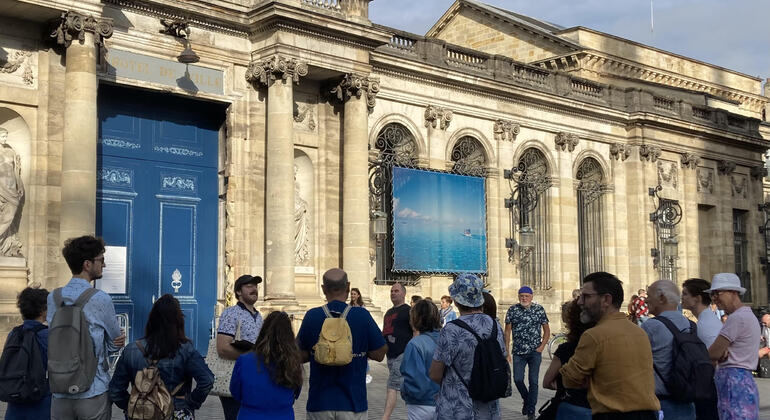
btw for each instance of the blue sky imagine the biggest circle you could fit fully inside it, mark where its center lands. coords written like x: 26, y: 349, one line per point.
x: 437, y: 197
x: 730, y: 33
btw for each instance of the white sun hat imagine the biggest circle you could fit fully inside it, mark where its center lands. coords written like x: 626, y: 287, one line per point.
x: 726, y: 281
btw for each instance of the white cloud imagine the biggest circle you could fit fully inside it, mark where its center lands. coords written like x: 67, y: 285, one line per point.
x: 395, y: 203
x: 409, y: 214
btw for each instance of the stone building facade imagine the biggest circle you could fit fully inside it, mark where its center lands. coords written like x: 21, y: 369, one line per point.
x: 210, y: 139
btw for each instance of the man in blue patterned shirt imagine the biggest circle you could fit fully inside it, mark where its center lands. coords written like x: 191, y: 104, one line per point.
x: 525, y: 319
x: 85, y: 258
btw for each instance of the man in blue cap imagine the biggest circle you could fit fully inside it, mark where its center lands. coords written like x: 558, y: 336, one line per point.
x: 525, y: 319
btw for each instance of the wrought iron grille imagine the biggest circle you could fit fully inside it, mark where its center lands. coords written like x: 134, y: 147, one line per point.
x: 530, y: 193
x: 396, y: 146
x: 665, y: 218
x: 590, y: 191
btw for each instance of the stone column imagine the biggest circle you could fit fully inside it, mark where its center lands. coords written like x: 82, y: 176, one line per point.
x: 80, y: 35
x: 690, y: 233
x: 358, y: 93
x: 278, y: 73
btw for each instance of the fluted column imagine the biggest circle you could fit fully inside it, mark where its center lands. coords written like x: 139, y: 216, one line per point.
x: 278, y: 73
x: 358, y: 94
x: 79, y: 35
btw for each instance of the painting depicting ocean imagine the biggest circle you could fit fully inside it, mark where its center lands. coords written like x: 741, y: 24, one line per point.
x: 439, y: 222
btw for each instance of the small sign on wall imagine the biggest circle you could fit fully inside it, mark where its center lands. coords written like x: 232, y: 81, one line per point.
x: 114, y: 274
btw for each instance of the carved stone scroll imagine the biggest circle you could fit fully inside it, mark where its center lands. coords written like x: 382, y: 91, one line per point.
x: 436, y: 116
x: 758, y: 172
x: 506, y: 130
x: 619, y: 151
x: 73, y: 25
x: 566, y: 141
x: 690, y: 160
x: 725, y: 167
x: 649, y: 153
x: 357, y: 85
x: 264, y: 72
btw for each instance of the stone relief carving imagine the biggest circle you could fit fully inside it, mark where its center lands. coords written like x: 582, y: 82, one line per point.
x: 301, y: 225
x: 619, y: 151
x: 739, y: 185
x: 649, y: 153
x: 436, y: 116
x: 667, y: 174
x: 506, y: 130
x: 18, y: 62
x: 690, y: 160
x: 358, y: 85
x: 11, y: 198
x: 566, y: 141
x: 266, y: 71
x: 705, y: 180
x: 725, y: 167
x: 758, y: 172
x: 305, y: 114
x: 73, y: 25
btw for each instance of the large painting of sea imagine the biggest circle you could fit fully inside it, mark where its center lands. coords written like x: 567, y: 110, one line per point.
x: 439, y: 222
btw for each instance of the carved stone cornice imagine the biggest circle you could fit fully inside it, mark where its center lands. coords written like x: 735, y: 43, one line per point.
x: 690, y: 160
x: 725, y: 167
x: 620, y: 151
x: 506, y: 130
x: 436, y: 116
x: 73, y: 25
x: 758, y: 172
x: 266, y: 71
x: 357, y: 85
x: 649, y: 153
x: 566, y: 141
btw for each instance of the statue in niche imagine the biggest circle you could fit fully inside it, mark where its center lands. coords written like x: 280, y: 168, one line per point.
x: 11, y: 198
x: 301, y: 225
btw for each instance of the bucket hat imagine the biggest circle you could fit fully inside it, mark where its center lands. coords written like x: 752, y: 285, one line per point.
x: 467, y: 290
x: 726, y: 281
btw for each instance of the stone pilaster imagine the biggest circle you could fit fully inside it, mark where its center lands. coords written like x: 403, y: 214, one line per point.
x: 278, y: 73
x: 357, y: 92
x: 690, y: 234
x: 79, y: 34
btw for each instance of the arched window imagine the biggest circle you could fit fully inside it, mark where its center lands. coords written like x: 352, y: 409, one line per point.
x: 590, y: 190
x: 533, y: 185
x: 397, y: 147
x: 469, y: 157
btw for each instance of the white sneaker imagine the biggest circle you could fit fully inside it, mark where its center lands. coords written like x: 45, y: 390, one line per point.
x: 368, y: 379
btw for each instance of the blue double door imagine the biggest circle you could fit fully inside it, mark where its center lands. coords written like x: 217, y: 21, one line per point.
x: 157, y: 202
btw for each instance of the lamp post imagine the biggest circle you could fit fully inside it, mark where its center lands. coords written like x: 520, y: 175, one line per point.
x: 380, y: 231
x: 665, y: 218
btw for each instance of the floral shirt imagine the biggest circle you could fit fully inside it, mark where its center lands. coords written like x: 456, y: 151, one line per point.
x: 455, y: 348
x: 526, y: 325
x: 251, y: 323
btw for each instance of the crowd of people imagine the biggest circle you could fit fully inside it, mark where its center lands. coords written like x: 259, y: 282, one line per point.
x: 613, y: 365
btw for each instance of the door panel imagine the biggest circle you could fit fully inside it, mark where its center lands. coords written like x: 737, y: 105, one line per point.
x: 157, y: 196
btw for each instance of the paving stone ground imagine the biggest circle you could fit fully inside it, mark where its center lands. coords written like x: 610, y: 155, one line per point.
x: 511, y: 407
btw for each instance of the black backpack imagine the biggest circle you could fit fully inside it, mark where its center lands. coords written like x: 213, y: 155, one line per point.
x: 23, y: 376
x: 490, y: 373
x: 692, y: 374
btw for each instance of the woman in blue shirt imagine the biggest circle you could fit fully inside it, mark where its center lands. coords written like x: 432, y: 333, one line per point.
x: 419, y: 392
x: 32, y: 303
x: 178, y: 361
x: 266, y: 381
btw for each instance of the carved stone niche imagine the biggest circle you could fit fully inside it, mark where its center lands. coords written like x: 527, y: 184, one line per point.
x: 705, y: 177
x: 649, y: 153
x: 667, y: 174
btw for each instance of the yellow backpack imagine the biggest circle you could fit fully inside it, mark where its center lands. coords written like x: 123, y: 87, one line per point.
x: 335, y: 342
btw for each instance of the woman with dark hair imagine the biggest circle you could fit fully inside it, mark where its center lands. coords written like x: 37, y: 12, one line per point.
x: 355, y: 297
x: 490, y: 306
x: 177, y: 359
x: 419, y: 392
x: 574, y: 403
x: 267, y: 380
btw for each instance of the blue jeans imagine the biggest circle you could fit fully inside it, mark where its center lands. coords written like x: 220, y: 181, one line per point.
x: 520, y: 361
x: 569, y: 411
x: 673, y: 410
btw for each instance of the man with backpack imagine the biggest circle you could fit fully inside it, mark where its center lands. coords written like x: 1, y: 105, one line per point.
x: 23, y: 379
x: 669, y: 354
x: 397, y: 333
x: 336, y: 339
x: 469, y: 361
x: 83, y: 331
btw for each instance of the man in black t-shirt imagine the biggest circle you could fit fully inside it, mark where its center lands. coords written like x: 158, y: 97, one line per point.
x: 397, y: 333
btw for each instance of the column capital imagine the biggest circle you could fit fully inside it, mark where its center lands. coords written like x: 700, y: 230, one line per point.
x: 268, y: 70
x: 73, y: 25
x: 690, y: 160
x: 357, y: 85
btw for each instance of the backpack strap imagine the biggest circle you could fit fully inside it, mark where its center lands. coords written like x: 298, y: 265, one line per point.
x: 85, y: 297
x: 326, y: 311
x: 57, y: 299
x: 345, y: 312
x: 460, y: 323
x: 674, y: 332
x: 329, y: 314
